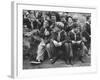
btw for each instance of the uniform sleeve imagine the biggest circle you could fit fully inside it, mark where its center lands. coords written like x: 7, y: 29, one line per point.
x: 42, y: 32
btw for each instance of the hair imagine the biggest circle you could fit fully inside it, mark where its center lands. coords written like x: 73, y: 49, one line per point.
x: 68, y: 18
x: 87, y: 18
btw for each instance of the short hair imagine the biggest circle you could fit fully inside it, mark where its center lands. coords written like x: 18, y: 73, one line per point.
x: 87, y: 18
x: 69, y: 17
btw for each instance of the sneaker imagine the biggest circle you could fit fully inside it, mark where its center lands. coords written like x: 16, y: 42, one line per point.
x: 35, y: 62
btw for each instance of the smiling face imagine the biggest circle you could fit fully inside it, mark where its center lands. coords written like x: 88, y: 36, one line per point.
x: 46, y: 24
x: 70, y: 20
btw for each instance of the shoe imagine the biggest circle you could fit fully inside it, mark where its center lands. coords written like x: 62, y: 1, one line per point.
x: 71, y: 62
x: 35, y: 62
x: 67, y: 62
x: 81, y: 59
x: 52, y: 61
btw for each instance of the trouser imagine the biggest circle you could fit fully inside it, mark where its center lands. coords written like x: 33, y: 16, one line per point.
x: 78, y: 50
x: 68, y: 52
x: 53, y: 52
x: 88, y: 46
x: 50, y: 49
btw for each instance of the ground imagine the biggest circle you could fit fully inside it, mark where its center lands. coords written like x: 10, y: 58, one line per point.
x: 58, y: 63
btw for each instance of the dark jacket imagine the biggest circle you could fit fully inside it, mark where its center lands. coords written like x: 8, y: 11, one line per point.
x: 88, y: 28
x: 75, y: 36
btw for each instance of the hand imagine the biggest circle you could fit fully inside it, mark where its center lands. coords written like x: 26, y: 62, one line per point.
x: 73, y: 42
x: 84, y: 39
x: 60, y: 43
x: 78, y: 42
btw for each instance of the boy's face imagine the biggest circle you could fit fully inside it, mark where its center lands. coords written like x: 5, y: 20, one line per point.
x: 32, y: 17
x: 46, y: 23
x: 25, y: 12
x: 63, y: 19
x: 76, y: 30
x: 53, y: 18
x: 70, y: 20
x: 32, y: 12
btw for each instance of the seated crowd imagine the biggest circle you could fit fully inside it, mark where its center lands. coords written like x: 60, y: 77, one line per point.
x: 60, y: 35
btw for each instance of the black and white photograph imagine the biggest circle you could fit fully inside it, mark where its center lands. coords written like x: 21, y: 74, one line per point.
x: 50, y: 40
x: 56, y: 39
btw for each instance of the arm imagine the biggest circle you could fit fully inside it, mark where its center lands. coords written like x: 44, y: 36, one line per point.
x: 56, y: 43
